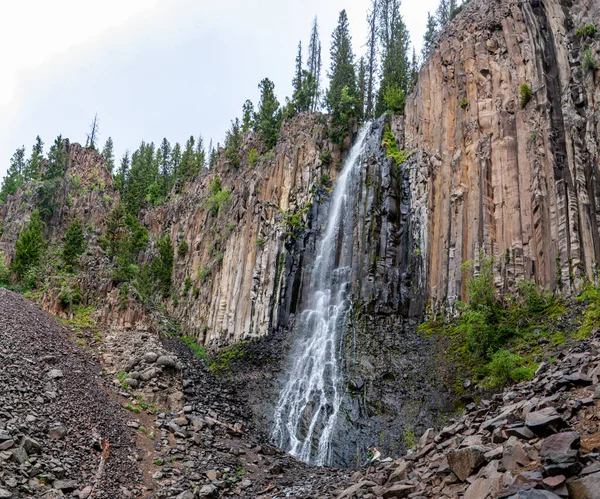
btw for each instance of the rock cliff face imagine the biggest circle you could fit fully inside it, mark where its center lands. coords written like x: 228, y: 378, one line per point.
x: 490, y: 175
x: 518, y: 182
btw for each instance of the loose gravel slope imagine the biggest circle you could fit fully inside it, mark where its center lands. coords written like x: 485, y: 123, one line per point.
x: 56, y: 414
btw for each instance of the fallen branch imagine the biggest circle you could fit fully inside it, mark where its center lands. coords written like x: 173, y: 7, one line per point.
x: 103, y: 458
x: 228, y: 427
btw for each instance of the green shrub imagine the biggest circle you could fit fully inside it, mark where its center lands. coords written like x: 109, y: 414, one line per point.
x: 464, y: 103
x: 187, y: 286
x: 260, y: 242
x: 203, y: 273
x: 325, y: 180
x: 389, y: 144
x: 409, y: 438
x: 162, y: 267
x: 5, y: 275
x: 223, y: 360
x: 29, y: 246
x: 506, y: 368
x: 196, y: 292
x: 526, y: 94
x: 198, y: 350
x: 253, y: 156
x: 395, y: 100
x: 74, y: 244
x: 218, y: 198
x: 587, y: 30
x: 183, y: 249
x: 326, y: 157
x: 589, y: 63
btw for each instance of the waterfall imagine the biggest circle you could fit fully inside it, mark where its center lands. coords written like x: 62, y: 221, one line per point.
x: 309, y: 402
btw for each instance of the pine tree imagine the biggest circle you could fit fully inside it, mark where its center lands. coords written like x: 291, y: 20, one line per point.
x: 162, y: 267
x: 108, y: 155
x: 199, y: 156
x: 396, y: 69
x: 371, y: 61
x: 188, y: 161
x: 54, y: 179
x: 29, y: 246
x: 362, y: 86
x: 446, y: 10
x: 314, y: 64
x: 268, y: 116
x: 247, y: 119
x: 32, y: 168
x: 175, y: 164
x: 233, y: 144
x: 297, y: 80
x: 213, y: 154
x: 92, y: 137
x: 122, y: 174
x: 165, y: 168
x: 14, y: 175
x: 429, y: 36
x: 342, y: 97
x: 74, y: 244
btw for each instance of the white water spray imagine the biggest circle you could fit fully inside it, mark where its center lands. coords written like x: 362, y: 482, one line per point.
x: 309, y: 403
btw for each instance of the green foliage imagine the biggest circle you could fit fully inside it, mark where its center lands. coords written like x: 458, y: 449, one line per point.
x: 525, y: 94
x: 247, y: 116
x: 222, y: 362
x: 198, y: 350
x: 29, y: 246
x: 14, y: 178
x: 219, y: 197
x: 394, y: 99
x: 589, y: 62
x: 74, y: 244
x: 233, y: 144
x: 389, y: 144
x: 591, y: 318
x: 69, y: 296
x: 162, y: 266
x: 292, y: 221
x: 187, y: 286
x: 253, y: 157
x: 183, y: 249
x: 342, y: 96
x: 409, y: 438
x: 5, y: 274
x: 588, y: 30
x: 260, y: 242
x: 124, y: 238
x: 204, y: 273
x: 53, y: 179
x: 108, y: 155
x: 464, y: 103
x: 506, y: 368
x: 326, y: 157
x: 325, y: 180
x: 268, y: 117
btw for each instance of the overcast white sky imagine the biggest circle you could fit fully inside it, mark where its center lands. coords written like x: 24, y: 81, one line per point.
x: 154, y: 68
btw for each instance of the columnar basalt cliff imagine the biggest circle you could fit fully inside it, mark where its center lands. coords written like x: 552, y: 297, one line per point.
x: 490, y: 173
x: 516, y: 179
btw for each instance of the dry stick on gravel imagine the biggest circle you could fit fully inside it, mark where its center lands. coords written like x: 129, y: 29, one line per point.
x: 225, y: 425
x: 103, y: 458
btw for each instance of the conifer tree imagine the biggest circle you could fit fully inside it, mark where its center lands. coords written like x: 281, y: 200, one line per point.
x: 122, y: 174
x: 29, y: 246
x: 108, y: 155
x: 297, y: 80
x: 362, y: 86
x: 74, y: 244
x: 32, y: 167
x: 314, y: 65
x: 54, y: 179
x: 165, y: 168
x: 175, y: 164
x: 188, y: 160
x: 233, y: 144
x: 342, y: 97
x: 429, y: 36
x: 199, y: 156
x: 92, y: 137
x: 371, y: 61
x: 268, y: 116
x: 396, y: 70
x: 14, y: 175
x: 247, y: 119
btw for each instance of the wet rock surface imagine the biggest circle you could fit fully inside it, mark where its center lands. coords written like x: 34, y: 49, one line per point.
x: 488, y: 452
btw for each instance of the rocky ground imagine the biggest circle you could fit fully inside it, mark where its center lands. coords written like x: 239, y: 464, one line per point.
x: 540, y: 440
x: 74, y: 423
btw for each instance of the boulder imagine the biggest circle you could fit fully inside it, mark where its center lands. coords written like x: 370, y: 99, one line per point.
x: 587, y: 487
x: 560, y: 447
x: 544, y: 422
x: 463, y: 462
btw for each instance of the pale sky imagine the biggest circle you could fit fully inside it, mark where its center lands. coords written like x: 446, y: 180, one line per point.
x: 155, y: 68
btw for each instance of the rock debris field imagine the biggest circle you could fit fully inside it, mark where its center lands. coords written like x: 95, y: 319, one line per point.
x: 55, y: 414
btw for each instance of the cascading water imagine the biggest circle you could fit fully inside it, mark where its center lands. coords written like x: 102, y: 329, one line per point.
x: 309, y: 403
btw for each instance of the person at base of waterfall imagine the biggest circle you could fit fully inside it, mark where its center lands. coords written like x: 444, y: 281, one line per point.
x: 368, y: 456
x: 376, y: 455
